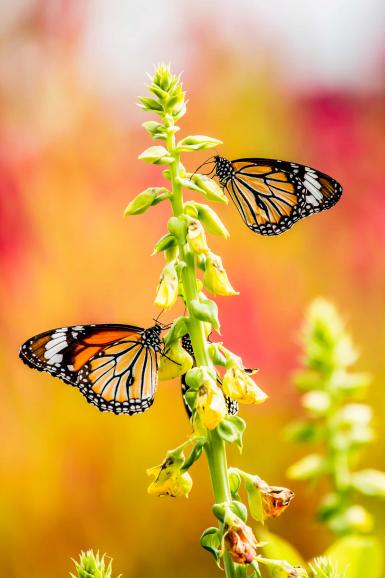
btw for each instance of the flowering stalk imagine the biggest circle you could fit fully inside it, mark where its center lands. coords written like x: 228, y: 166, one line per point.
x: 186, y: 252
x: 336, y: 420
x: 92, y: 565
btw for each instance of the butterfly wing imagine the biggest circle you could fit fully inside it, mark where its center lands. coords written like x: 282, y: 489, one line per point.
x: 113, y: 366
x: 272, y: 195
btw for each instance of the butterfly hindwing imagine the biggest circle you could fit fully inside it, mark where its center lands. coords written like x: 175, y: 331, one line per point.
x: 113, y: 366
x: 272, y: 195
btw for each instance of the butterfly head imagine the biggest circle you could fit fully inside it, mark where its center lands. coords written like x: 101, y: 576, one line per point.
x: 223, y: 169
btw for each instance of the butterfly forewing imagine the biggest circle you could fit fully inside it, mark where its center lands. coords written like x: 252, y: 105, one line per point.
x: 113, y: 366
x: 272, y: 195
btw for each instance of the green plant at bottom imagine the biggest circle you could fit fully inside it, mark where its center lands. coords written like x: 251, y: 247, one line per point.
x: 91, y: 565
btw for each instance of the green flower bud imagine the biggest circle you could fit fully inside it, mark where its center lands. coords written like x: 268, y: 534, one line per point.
x: 206, y: 310
x: 156, y: 155
x: 369, y: 482
x: 208, y: 218
x: 208, y: 188
x: 157, y: 130
x: 149, y: 104
x: 92, y: 565
x: 165, y: 242
x: 197, y: 143
x: 149, y: 197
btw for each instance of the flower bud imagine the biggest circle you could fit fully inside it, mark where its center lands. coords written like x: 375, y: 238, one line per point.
x: 169, y: 480
x: 238, y: 385
x: 149, y: 197
x: 215, y: 278
x: 240, y: 542
x: 210, y: 404
x: 167, y: 291
x: 91, y: 564
x: 208, y: 188
x: 197, y: 143
x: 174, y: 362
x: 196, y: 237
x: 156, y: 155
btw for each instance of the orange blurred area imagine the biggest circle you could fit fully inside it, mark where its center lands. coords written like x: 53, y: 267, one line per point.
x: 73, y: 478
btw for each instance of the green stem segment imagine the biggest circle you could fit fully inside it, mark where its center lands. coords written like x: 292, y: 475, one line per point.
x: 215, y: 447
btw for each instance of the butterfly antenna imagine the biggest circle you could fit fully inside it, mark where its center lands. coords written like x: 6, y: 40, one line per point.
x: 210, y: 160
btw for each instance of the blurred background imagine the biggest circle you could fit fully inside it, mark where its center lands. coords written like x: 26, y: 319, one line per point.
x: 298, y: 80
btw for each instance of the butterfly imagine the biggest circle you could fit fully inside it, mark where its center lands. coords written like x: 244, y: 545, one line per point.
x: 114, y: 366
x: 272, y: 195
x: 231, y: 404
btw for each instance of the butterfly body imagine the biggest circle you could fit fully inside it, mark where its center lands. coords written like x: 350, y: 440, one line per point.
x: 271, y: 195
x: 114, y: 366
x: 231, y: 404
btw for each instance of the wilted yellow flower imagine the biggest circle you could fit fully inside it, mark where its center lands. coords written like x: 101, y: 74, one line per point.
x: 275, y: 499
x: 210, y: 404
x: 167, y: 291
x: 169, y: 480
x: 174, y: 362
x: 240, y: 542
x: 215, y: 278
x: 196, y: 237
x: 238, y: 385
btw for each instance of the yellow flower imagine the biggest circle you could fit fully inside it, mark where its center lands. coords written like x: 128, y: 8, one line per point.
x: 174, y: 362
x: 196, y: 237
x: 215, y: 278
x: 169, y: 480
x: 167, y: 291
x: 240, y: 542
x: 238, y: 385
x: 210, y: 404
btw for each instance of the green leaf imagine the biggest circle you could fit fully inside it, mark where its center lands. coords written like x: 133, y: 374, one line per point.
x: 280, y: 549
x: 211, y: 541
x: 156, y: 155
x: 149, y: 197
x: 255, y: 500
x: 231, y: 429
x: 369, y: 482
x: 206, y: 310
x: 308, y: 468
x: 197, y: 143
x: 360, y: 556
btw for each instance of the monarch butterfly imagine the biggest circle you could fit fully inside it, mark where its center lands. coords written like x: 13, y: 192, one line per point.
x: 114, y: 366
x: 232, y: 405
x: 272, y: 195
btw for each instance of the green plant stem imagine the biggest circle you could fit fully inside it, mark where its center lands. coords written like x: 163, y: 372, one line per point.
x: 215, y: 447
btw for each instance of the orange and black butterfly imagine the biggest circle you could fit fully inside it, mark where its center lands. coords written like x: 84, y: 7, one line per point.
x: 272, y: 195
x: 115, y: 367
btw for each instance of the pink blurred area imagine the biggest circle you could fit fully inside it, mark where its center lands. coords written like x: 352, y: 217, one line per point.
x: 71, y: 477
